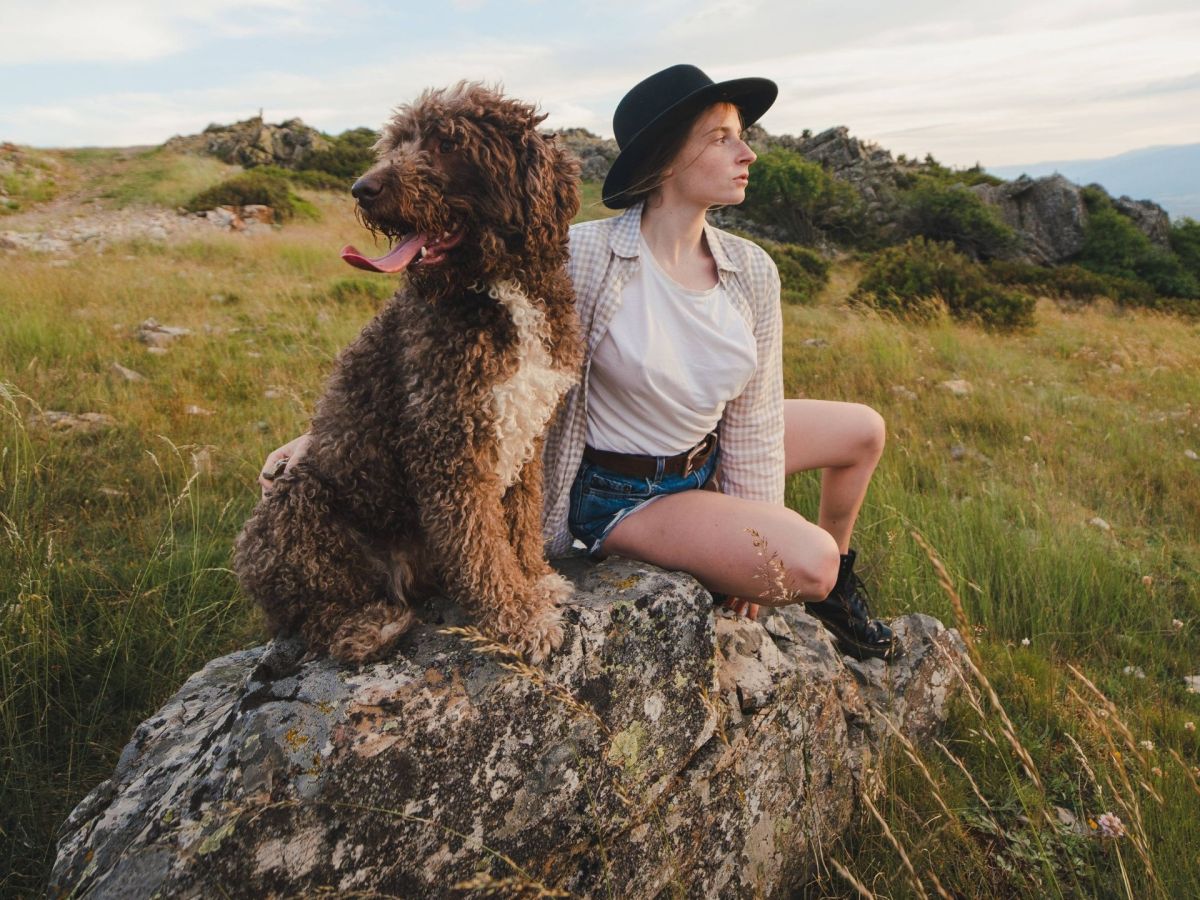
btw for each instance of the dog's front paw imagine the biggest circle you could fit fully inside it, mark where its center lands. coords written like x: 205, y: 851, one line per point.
x: 544, y: 635
x: 554, y: 589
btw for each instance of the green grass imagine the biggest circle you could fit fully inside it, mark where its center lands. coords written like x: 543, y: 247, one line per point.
x: 29, y: 177
x: 160, y: 178
x: 114, y: 580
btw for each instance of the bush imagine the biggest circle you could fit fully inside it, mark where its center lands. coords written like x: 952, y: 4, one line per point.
x: 248, y: 188
x: 1069, y: 282
x: 802, y: 272
x: 1113, y: 245
x: 1185, y: 243
x: 950, y: 212
x: 803, y: 200
x: 918, y: 278
x: 348, y: 156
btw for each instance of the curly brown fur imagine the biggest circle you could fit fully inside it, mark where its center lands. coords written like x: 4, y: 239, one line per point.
x: 424, y: 469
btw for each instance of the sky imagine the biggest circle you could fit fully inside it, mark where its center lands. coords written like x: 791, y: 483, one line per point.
x: 968, y: 81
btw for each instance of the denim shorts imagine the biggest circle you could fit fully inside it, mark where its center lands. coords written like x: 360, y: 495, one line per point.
x: 600, y: 497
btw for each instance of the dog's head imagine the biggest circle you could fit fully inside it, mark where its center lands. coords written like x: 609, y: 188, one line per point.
x: 468, y: 190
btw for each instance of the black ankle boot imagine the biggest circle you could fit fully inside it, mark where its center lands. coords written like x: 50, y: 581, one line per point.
x: 846, y: 613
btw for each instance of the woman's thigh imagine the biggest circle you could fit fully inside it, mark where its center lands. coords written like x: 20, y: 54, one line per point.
x: 823, y: 434
x: 713, y: 537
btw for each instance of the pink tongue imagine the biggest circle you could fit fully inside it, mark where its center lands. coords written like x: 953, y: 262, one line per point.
x: 395, y: 260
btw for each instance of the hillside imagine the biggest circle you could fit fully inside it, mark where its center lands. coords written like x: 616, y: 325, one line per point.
x: 1052, y: 468
x: 1169, y: 175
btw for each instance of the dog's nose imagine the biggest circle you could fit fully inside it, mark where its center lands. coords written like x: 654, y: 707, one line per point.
x: 367, y: 188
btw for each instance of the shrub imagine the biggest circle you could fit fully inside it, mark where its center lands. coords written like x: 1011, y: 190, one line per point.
x: 1185, y: 243
x: 802, y: 272
x: 1069, y: 282
x: 803, y: 200
x: 348, y: 156
x: 919, y: 277
x: 943, y: 211
x: 1113, y: 245
x: 247, y: 188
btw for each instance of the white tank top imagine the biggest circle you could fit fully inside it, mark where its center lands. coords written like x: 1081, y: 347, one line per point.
x: 671, y: 360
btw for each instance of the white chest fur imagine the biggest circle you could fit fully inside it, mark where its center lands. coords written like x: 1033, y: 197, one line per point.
x: 523, y: 404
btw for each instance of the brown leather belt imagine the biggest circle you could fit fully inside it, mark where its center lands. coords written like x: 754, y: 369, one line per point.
x: 641, y: 466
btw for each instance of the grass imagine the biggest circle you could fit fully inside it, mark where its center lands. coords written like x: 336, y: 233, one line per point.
x: 155, y: 177
x: 114, y: 580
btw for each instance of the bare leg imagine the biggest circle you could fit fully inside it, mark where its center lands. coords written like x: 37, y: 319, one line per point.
x: 845, y: 440
x: 709, y: 536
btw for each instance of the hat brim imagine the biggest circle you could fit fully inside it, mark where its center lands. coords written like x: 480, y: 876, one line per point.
x: 752, y: 96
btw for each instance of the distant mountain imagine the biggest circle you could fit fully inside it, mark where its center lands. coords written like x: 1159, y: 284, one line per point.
x: 1170, y: 176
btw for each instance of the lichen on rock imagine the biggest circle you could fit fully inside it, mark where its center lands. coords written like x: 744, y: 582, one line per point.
x: 665, y: 743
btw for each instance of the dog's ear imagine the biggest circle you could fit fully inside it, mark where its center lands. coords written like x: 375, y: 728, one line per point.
x: 551, y: 192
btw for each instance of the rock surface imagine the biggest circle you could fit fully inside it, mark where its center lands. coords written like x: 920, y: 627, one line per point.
x: 254, y: 142
x: 101, y: 229
x: 665, y: 747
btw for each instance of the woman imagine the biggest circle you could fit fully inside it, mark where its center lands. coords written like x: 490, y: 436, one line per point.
x: 683, y: 370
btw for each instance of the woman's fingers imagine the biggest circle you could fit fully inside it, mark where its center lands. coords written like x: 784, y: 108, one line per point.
x: 742, y: 607
x: 279, y: 460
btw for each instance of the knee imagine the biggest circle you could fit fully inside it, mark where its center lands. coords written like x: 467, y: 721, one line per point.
x: 813, y: 566
x: 873, y: 433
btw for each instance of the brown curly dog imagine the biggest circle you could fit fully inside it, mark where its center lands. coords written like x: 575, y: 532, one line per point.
x: 424, y: 470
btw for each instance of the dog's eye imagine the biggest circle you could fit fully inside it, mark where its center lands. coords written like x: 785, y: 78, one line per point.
x: 445, y: 145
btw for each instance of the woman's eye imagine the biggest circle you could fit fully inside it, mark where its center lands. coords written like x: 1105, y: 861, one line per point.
x: 446, y: 146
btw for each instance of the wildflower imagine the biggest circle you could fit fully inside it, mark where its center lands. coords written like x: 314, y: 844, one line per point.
x: 1189, y: 726
x: 1176, y: 625
x: 1148, y: 746
x: 1135, y: 671
x: 1024, y: 642
x: 1111, y: 826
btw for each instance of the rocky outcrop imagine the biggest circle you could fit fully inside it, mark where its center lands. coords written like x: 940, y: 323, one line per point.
x: 254, y: 142
x: 665, y: 747
x: 1047, y: 213
x: 1150, y: 218
x: 595, y: 154
x: 869, y: 168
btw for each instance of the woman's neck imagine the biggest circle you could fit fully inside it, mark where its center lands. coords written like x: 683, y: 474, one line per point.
x: 674, y: 232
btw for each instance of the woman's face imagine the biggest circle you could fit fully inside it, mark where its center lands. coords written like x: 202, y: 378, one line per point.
x: 714, y: 165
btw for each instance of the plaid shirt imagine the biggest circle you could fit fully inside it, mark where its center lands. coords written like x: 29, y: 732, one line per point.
x: 604, y: 256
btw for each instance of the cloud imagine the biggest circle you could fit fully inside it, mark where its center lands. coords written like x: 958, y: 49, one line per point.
x: 67, y: 31
x: 964, y: 79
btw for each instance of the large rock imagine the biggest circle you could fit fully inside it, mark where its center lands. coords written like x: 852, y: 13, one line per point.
x: 665, y: 746
x: 1047, y: 213
x: 254, y: 142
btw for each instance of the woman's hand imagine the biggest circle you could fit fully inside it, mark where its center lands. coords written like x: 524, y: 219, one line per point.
x: 288, y: 455
x: 742, y: 607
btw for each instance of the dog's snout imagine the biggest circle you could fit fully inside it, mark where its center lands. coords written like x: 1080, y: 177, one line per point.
x: 367, y: 188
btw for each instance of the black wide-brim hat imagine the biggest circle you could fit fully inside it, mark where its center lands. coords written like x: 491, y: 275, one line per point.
x: 665, y: 101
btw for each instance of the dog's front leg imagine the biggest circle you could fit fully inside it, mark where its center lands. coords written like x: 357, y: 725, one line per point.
x: 523, y: 511
x: 465, y: 527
